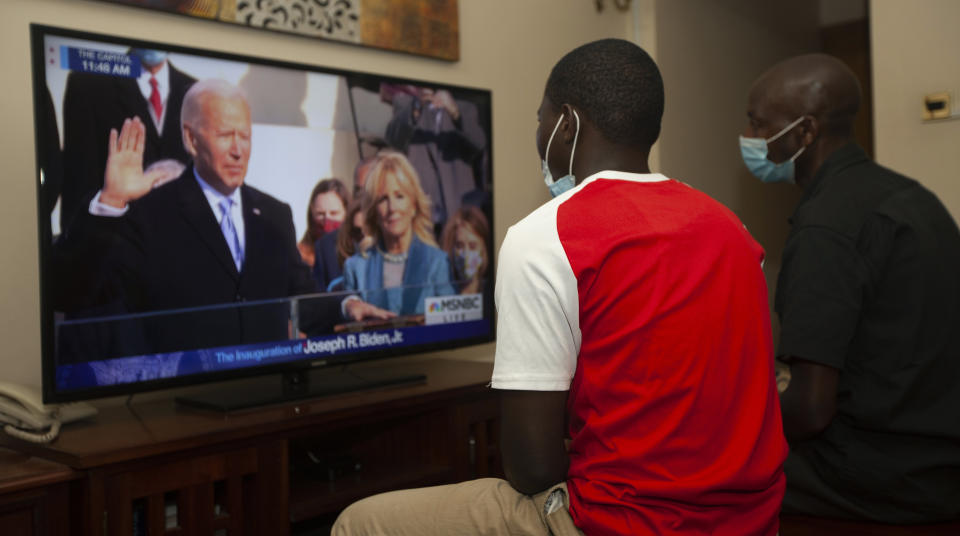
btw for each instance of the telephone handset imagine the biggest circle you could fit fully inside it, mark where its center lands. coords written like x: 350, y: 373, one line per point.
x: 24, y: 415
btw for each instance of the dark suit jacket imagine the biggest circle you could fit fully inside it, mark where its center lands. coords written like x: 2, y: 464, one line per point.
x: 167, y: 253
x: 326, y: 267
x: 92, y: 105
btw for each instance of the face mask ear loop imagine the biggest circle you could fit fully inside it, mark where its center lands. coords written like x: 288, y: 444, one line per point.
x: 546, y: 153
x: 575, y: 136
x: 785, y: 130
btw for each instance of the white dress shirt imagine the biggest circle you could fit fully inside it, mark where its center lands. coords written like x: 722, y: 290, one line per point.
x: 236, y: 208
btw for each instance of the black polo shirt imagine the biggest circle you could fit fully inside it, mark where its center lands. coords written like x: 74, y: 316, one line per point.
x: 870, y: 285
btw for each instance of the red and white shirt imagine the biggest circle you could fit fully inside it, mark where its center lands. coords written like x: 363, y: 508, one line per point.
x: 645, y: 299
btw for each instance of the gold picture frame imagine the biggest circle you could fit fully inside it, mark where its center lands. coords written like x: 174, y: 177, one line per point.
x: 422, y: 27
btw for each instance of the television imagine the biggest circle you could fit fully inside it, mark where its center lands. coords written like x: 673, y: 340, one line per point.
x: 300, y: 275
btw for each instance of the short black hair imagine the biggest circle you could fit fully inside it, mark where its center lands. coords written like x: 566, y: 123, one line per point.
x: 616, y: 84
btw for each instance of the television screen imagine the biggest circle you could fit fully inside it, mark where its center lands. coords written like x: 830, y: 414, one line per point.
x: 205, y: 216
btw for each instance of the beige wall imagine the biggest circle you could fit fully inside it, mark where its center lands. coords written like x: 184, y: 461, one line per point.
x: 507, y: 46
x: 709, y: 53
x: 916, y: 51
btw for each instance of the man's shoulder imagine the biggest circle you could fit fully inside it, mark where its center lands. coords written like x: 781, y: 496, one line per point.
x: 263, y: 201
x: 165, y: 194
x: 851, y: 196
x: 180, y: 78
x: 539, y: 225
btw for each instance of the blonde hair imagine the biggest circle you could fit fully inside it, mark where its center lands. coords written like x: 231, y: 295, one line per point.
x: 345, y: 244
x: 393, y: 164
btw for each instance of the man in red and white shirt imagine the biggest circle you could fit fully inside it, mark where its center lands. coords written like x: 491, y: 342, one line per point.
x: 633, y: 351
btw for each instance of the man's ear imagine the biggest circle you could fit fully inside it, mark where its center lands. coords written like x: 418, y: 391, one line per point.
x: 189, y: 141
x: 809, y: 129
x: 570, y: 124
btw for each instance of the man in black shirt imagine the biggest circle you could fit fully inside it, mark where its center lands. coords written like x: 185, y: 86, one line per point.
x: 869, y: 303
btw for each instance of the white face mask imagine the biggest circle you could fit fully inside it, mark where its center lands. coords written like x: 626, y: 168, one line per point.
x: 468, y: 262
x: 566, y: 182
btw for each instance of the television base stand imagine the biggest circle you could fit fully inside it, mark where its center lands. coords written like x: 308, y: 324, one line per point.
x: 298, y: 385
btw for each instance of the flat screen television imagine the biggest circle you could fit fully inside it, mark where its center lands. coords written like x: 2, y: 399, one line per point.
x: 357, y: 224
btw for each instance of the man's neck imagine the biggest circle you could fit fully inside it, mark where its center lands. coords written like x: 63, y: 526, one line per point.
x: 818, y: 155
x: 214, y: 185
x: 628, y: 162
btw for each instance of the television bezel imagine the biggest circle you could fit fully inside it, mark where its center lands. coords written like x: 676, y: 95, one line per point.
x: 44, y: 230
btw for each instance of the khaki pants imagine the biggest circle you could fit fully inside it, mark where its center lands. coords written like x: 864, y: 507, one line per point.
x: 485, y: 506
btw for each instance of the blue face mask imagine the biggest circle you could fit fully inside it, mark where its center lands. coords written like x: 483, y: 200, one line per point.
x: 150, y: 58
x: 754, y: 153
x: 566, y: 182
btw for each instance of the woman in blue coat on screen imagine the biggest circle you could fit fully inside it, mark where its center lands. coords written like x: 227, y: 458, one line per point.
x: 399, y: 266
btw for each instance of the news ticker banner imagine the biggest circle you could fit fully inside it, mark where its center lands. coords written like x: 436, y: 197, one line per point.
x: 320, y: 349
x: 88, y: 60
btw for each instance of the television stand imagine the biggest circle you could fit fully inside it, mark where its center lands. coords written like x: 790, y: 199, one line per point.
x: 299, y: 385
x: 283, y: 469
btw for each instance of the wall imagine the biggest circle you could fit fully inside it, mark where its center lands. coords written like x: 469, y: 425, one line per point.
x: 710, y: 53
x: 915, y: 52
x: 506, y: 46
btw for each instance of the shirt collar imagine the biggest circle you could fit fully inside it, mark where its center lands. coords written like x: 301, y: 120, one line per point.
x: 838, y: 161
x: 214, y: 197
x: 163, y: 80
x: 624, y: 176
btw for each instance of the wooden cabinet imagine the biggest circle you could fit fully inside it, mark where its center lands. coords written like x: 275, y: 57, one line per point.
x: 161, y: 469
x: 34, y: 495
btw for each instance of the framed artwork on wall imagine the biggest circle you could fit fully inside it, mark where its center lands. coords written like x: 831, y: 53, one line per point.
x: 422, y: 27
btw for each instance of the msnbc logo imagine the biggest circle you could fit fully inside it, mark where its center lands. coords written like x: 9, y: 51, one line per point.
x: 447, y: 309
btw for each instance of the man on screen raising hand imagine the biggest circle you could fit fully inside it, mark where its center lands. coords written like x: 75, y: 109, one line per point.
x: 124, y: 178
x: 203, y: 239
x: 94, y: 104
x: 633, y: 320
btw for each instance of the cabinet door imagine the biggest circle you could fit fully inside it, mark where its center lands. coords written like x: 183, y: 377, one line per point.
x: 233, y: 493
x: 478, y: 436
x: 39, y: 512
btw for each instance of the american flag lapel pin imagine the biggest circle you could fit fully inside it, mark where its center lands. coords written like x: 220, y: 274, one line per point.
x: 256, y: 211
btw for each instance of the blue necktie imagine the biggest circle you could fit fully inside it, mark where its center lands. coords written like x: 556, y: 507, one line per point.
x: 230, y: 232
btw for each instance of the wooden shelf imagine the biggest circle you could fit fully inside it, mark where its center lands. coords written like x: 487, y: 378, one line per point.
x: 20, y: 471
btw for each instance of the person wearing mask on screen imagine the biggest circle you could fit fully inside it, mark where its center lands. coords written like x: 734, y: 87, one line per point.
x: 325, y: 213
x: 94, y: 104
x: 400, y: 265
x: 333, y: 249
x: 632, y: 323
x: 868, y: 297
x: 465, y: 241
x: 206, y: 238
